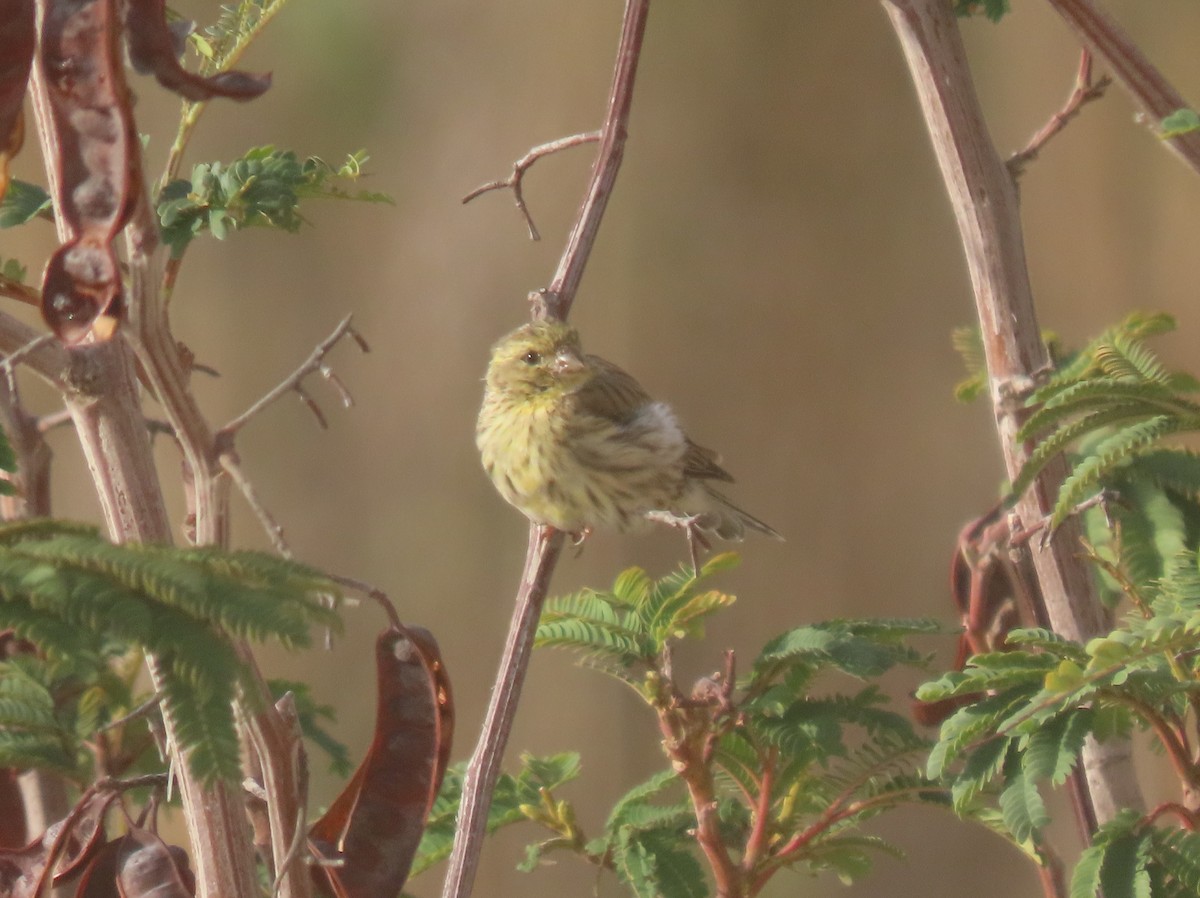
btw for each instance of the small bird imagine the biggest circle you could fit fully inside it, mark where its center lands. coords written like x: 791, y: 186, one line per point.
x: 573, y: 441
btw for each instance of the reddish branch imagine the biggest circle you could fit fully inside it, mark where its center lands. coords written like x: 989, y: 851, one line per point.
x: 1084, y: 92
x: 545, y: 543
x: 690, y: 729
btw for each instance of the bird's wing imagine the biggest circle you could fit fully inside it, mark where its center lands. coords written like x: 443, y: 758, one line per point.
x: 611, y: 393
x: 615, y: 395
x: 703, y: 464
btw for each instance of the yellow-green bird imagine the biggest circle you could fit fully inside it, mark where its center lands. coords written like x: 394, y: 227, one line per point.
x: 573, y: 441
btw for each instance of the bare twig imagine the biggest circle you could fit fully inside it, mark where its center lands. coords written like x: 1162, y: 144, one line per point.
x: 233, y: 467
x: 375, y: 594
x: 984, y: 200
x: 1084, y: 92
x: 545, y: 543
x: 141, y: 710
x: 315, y: 363
x: 1153, y: 93
x: 31, y: 296
x: 299, y: 839
x: 514, y: 181
x: 556, y: 301
x: 46, y: 358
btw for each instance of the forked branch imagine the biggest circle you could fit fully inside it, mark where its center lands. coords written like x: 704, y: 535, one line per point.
x: 545, y: 543
x: 515, y: 181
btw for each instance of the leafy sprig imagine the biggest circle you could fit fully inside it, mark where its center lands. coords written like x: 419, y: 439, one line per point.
x: 763, y: 771
x: 263, y: 188
x: 76, y: 596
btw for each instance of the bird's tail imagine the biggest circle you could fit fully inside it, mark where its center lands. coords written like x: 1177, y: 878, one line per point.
x: 732, y: 522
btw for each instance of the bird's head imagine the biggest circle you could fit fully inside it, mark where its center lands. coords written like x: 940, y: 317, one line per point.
x: 540, y: 358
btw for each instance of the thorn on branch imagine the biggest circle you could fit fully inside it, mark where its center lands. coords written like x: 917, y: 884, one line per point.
x: 1022, y: 536
x: 514, y: 181
x: 315, y: 363
x: 1084, y: 92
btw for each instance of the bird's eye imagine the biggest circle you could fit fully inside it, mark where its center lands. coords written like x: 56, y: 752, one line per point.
x: 532, y: 357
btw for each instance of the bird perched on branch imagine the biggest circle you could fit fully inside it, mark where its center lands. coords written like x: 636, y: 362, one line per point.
x: 573, y: 441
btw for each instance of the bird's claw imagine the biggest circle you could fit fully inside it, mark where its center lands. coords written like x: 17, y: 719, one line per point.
x: 689, y: 524
x: 578, y: 537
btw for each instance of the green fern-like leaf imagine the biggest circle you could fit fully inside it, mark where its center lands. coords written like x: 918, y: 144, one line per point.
x: 23, y: 202
x: 70, y: 591
x: 240, y: 22
x: 968, y: 343
x: 1124, y: 873
x: 859, y: 648
x: 1053, y: 749
x: 982, y: 766
x: 511, y: 793
x: 1109, y: 453
x: 1128, y: 357
x: 654, y: 866
x: 619, y: 630
x: 1022, y: 806
x: 972, y: 723
x: 993, y: 9
x: 1178, y: 853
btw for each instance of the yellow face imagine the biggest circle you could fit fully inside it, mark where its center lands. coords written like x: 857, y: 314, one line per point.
x: 542, y: 358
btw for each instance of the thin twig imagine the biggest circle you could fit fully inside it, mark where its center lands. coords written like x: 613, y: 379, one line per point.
x: 13, y: 289
x: 557, y: 299
x: 1153, y: 93
x: 374, y: 593
x: 232, y: 464
x: 48, y: 422
x: 1085, y: 91
x: 299, y: 839
x: 514, y: 181
x: 140, y: 711
x: 1022, y: 536
x: 315, y: 363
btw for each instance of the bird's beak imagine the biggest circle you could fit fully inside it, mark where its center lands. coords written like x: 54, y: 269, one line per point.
x: 567, y: 361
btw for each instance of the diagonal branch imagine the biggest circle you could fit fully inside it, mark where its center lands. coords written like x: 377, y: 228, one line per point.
x: 1153, y: 93
x: 984, y: 199
x: 545, y: 543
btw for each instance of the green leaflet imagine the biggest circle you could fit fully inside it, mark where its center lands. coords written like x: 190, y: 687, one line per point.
x: 78, y: 597
x: 264, y: 188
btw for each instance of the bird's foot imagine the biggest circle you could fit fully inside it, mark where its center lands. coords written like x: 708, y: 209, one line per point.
x: 690, y: 525
x: 578, y: 537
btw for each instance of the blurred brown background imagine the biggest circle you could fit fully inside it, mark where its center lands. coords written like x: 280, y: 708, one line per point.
x: 779, y: 261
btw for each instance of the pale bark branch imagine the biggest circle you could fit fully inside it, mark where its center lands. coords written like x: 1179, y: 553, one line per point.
x: 984, y: 200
